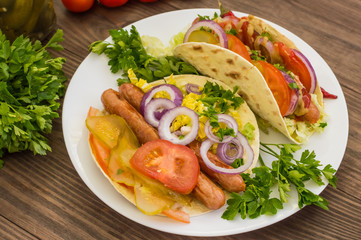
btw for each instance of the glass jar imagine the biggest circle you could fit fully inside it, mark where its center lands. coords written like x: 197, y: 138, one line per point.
x: 32, y: 18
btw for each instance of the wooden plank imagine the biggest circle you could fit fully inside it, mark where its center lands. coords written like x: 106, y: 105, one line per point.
x: 43, y: 197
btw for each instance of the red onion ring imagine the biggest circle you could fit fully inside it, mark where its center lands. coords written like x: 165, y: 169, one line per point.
x: 167, y: 119
x: 213, y: 26
x: 224, y: 148
x: 309, y: 68
x: 193, y: 88
x: 295, y: 94
x: 231, y: 123
x: 175, y: 95
x: 267, y: 49
x: 153, y: 106
x: 206, y: 145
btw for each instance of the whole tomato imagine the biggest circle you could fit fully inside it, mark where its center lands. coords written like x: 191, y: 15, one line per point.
x: 78, y: 5
x: 112, y: 3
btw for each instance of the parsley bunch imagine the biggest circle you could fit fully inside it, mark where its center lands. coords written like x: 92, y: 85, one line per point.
x: 284, y: 172
x: 31, y: 82
x: 127, y: 51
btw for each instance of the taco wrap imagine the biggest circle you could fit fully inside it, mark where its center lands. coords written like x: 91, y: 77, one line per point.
x: 115, y: 144
x: 275, y: 79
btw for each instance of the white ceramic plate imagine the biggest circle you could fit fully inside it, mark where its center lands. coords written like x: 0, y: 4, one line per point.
x: 93, y: 77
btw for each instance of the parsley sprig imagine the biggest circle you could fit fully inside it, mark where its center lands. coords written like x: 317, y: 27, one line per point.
x: 127, y: 51
x: 284, y: 172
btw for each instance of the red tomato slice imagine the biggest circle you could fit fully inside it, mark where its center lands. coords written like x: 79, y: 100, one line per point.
x: 294, y: 64
x: 278, y: 85
x: 176, y: 166
x: 178, y: 215
x: 247, y: 35
x: 236, y: 45
x: 100, y: 151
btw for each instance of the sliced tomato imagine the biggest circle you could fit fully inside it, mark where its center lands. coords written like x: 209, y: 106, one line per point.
x: 100, y: 151
x: 176, y: 166
x: 228, y: 22
x: 178, y: 215
x: 247, y: 34
x: 236, y: 45
x: 277, y: 84
x: 294, y: 64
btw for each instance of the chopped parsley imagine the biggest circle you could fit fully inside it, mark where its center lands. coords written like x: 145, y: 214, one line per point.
x: 232, y: 31
x: 237, y: 162
x: 119, y: 171
x: 201, y: 18
x: 266, y: 34
x: 284, y: 172
x: 322, y: 125
x: 219, y: 101
x: 293, y: 85
x: 256, y: 55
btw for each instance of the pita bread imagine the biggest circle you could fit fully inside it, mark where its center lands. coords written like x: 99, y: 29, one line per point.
x: 232, y: 69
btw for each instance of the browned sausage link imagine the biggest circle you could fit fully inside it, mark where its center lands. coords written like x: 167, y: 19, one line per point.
x: 205, y: 191
x: 115, y: 104
x: 132, y: 94
x: 232, y: 183
x: 209, y: 193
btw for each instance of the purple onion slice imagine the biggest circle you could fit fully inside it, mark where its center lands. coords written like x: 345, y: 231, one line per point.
x: 206, y: 145
x: 309, y: 68
x: 227, y: 119
x: 211, y: 25
x: 153, y: 106
x: 230, y: 151
x: 193, y: 88
x: 267, y: 49
x: 167, y: 119
x: 295, y: 94
x: 175, y: 95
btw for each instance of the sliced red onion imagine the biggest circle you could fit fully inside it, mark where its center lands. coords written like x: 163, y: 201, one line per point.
x: 224, y: 149
x: 153, y: 106
x: 167, y: 119
x: 206, y: 145
x: 231, y: 123
x: 295, y: 94
x: 309, y: 68
x: 267, y: 49
x: 211, y: 25
x: 175, y: 95
x: 193, y: 88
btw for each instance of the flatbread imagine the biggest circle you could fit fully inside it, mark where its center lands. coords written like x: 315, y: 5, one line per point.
x: 195, y: 207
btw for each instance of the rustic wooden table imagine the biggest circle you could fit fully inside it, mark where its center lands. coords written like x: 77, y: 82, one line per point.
x: 43, y: 197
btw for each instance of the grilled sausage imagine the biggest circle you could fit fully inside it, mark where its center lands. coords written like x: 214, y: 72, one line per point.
x: 116, y: 104
x: 206, y: 191
x: 232, y: 183
x: 132, y: 94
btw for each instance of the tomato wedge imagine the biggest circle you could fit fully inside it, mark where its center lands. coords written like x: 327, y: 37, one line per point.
x: 176, y: 166
x: 236, y: 45
x: 278, y: 85
x: 99, y: 149
x: 294, y: 64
